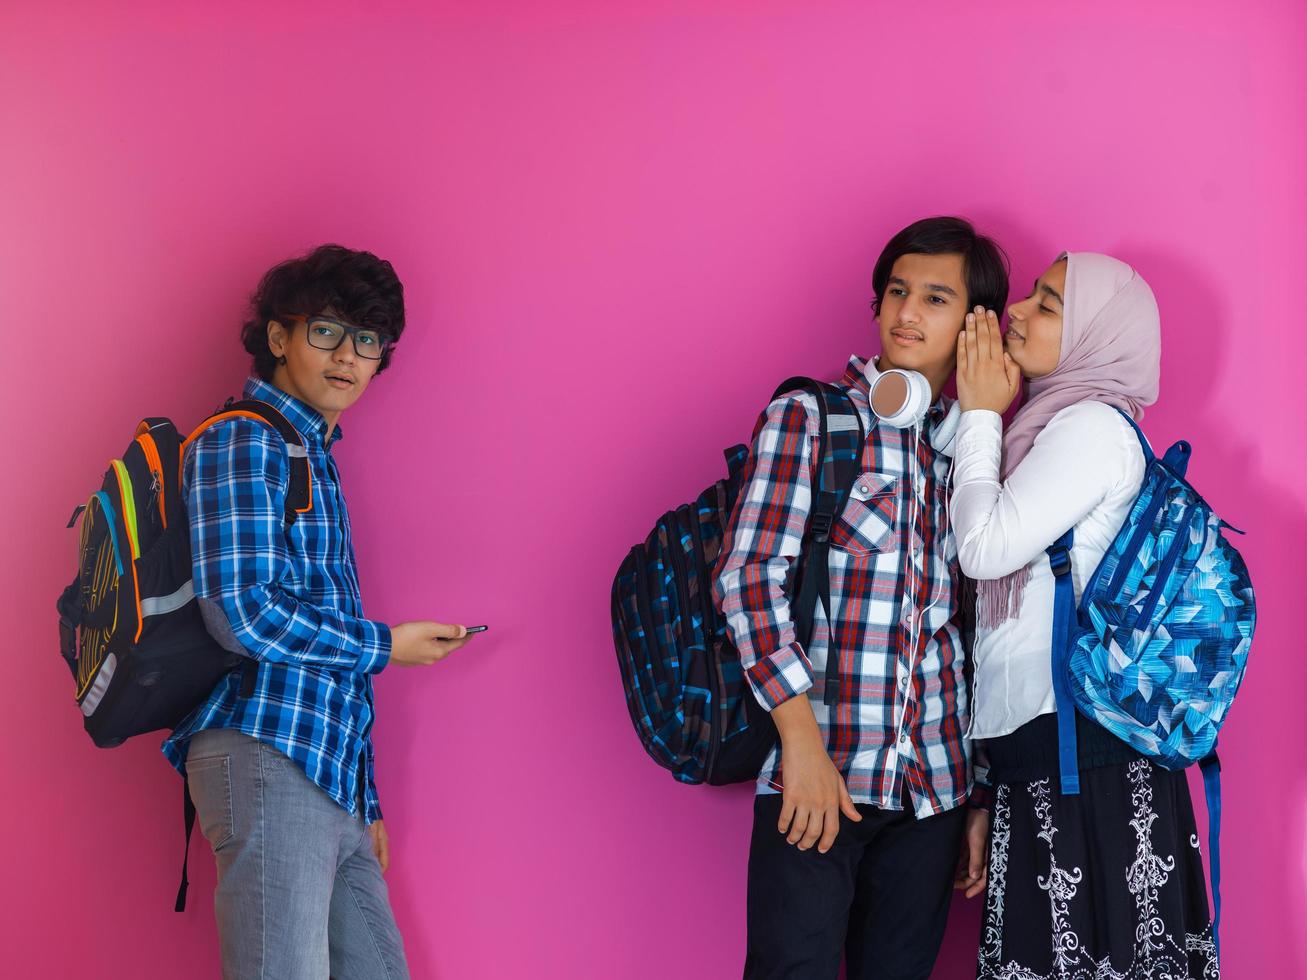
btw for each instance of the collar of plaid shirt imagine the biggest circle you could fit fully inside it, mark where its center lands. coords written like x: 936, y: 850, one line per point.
x: 306, y: 420
x: 862, y: 371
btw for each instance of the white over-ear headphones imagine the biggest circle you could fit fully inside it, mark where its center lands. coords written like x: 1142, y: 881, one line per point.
x: 900, y: 398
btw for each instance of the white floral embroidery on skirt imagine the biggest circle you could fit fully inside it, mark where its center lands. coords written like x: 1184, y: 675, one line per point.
x: 1157, y: 955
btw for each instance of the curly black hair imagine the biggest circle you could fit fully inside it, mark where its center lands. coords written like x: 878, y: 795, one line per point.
x: 357, y: 286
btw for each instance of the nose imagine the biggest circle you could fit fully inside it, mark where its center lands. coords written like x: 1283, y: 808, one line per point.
x: 344, y: 354
x: 1018, y: 311
x: 910, y: 311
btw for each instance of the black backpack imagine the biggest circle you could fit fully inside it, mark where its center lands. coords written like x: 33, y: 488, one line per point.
x: 130, y: 629
x: 685, y: 687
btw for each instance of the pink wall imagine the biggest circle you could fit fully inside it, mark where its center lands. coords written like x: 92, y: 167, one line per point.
x: 618, y: 228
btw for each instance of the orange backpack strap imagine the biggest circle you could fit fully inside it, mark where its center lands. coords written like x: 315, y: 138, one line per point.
x: 299, y: 495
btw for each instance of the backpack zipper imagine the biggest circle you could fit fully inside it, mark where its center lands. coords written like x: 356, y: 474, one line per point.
x: 156, y: 467
x: 1178, y: 545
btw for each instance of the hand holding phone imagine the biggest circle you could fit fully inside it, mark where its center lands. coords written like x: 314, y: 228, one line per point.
x: 419, y: 644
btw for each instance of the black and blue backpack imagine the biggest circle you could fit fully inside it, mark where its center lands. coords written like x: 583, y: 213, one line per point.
x: 1158, y: 645
x: 685, y: 687
x: 130, y: 629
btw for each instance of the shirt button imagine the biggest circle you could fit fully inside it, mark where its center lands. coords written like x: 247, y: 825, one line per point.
x: 904, y: 737
x: 864, y: 489
x: 903, y: 682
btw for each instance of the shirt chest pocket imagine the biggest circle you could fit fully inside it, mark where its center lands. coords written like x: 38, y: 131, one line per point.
x: 869, y: 523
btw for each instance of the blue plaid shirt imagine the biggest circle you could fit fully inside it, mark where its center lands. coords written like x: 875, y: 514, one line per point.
x: 288, y: 598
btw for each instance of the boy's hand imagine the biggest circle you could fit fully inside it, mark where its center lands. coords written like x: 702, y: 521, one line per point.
x: 380, y: 844
x: 422, y: 643
x: 988, y: 378
x: 815, y: 793
x: 973, y: 862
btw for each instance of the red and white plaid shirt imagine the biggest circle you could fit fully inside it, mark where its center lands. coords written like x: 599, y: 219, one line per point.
x: 904, y: 705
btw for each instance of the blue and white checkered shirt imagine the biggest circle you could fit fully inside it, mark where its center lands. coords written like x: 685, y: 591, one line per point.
x: 291, y: 598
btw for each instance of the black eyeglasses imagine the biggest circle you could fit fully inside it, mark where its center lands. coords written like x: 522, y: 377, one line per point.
x: 324, y: 333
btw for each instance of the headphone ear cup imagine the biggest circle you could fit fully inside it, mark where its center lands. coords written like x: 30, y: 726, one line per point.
x: 915, y: 399
x: 890, y: 394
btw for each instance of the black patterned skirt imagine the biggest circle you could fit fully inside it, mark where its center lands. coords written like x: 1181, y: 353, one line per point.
x: 1107, y: 885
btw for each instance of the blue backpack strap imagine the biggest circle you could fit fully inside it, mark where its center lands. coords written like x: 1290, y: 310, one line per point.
x: 1059, y: 557
x: 1177, y: 457
x: 1143, y: 442
x: 1211, y: 767
x: 840, y: 456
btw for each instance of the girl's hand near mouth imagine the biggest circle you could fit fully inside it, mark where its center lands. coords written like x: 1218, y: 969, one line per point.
x: 988, y: 378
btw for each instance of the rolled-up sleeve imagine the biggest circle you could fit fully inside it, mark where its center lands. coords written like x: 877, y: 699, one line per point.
x: 236, y: 479
x: 763, y: 539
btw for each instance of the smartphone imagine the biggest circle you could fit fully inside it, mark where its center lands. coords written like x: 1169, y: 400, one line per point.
x: 477, y: 629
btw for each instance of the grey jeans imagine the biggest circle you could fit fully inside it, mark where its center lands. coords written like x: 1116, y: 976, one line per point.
x: 300, y: 894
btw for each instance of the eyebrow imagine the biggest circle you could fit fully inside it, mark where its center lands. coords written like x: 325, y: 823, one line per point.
x: 1050, y: 290
x: 342, y: 321
x: 931, y: 287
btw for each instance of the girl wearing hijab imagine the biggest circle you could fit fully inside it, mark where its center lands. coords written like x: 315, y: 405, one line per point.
x: 1109, y: 883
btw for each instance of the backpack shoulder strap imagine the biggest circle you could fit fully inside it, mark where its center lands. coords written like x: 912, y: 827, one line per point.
x: 188, y: 824
x: 1139, y: 433
x: 838, y: 463
x: 1177, y: 457
x: 1064, y: 600
x: 1211, y: 768
x: 299, y: 495
x: 840, y: 450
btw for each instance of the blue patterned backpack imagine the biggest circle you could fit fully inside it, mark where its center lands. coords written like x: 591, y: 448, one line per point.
x: 1157, y: 647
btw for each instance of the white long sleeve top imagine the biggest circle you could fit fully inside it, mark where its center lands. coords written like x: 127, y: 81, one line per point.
x: 1084, y: 470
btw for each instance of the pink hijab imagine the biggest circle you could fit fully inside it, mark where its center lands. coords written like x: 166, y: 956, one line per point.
x: 1111, y: 353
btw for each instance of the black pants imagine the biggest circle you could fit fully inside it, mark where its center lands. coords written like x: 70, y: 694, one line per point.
x: 883, y: 890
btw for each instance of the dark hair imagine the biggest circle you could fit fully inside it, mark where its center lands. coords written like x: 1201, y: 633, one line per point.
x: 358, y: 286
x: 984, y: 264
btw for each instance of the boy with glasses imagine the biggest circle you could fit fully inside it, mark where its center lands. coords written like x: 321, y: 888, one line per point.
x: 279, y: 762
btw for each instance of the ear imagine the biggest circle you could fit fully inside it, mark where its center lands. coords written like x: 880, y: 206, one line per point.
x: 277, y: 338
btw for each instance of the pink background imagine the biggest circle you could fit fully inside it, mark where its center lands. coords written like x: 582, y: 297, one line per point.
x: 619, y: 225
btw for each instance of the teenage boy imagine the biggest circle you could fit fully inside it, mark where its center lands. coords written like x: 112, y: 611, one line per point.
x: 282, y: 775
x: 858, y: 816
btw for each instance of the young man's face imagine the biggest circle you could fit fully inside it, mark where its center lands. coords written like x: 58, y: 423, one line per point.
x: 328, y: 381
x: 921, y: 315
